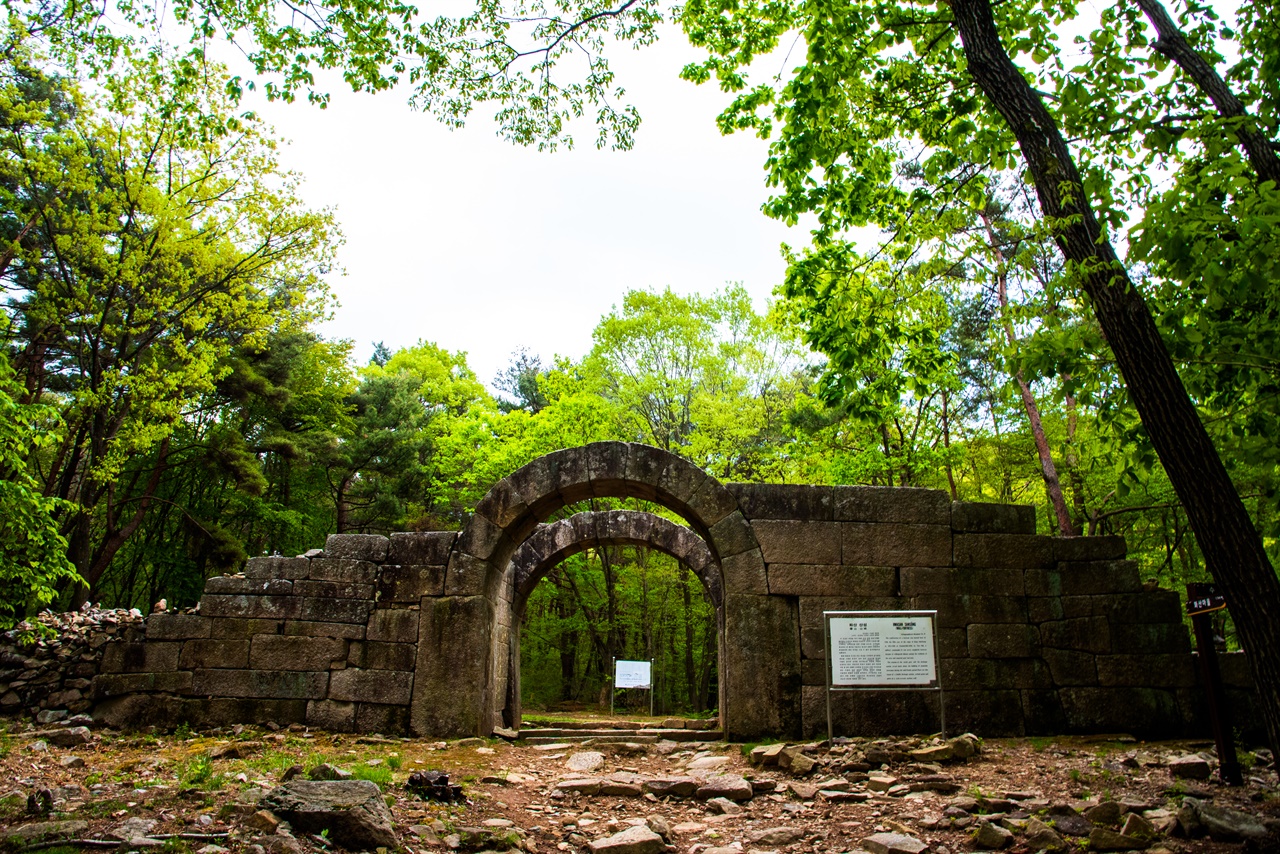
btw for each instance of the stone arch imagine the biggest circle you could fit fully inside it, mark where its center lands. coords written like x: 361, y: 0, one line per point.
x: 464, y: 686
x: 550, y: 544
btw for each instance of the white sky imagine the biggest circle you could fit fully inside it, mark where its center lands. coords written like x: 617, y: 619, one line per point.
x: 462, y: 239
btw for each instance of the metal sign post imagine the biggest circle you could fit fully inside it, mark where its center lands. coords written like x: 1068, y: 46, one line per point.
x: 882, y: 651
x: 1203, y: 600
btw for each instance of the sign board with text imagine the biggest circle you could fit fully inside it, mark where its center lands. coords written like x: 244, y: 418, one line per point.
x: 1204, y: 599
x: 632, y: 674
x: 882, y: 651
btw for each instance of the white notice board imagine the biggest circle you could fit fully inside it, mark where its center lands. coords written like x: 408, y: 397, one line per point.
x: 632, y: 674
x: 887, y: 649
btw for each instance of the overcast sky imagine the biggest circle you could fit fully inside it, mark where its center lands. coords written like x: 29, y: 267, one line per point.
x: 462, y: 239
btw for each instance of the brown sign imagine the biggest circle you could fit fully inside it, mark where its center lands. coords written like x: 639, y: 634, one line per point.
x: 1203, y: 598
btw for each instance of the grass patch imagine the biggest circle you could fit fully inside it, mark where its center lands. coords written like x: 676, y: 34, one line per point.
x: 379, y: 774
x: 1040, y: 743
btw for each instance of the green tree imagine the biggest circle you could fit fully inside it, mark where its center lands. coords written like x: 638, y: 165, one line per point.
x: 164, y: 236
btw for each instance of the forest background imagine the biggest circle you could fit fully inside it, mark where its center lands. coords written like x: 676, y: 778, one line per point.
x: 169, y: 408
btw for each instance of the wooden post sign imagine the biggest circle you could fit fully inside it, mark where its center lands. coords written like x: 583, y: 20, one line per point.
x: 1203, y: 600
x: 882, y: 651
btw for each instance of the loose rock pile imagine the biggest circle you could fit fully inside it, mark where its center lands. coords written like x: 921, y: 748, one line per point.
x: 46, y: 666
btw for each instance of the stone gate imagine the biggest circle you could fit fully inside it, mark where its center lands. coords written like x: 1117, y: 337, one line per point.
x: 419, y: 632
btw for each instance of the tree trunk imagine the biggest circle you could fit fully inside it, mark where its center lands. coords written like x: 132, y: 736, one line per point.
x: 690, y: 673
x: 1049, y: 471
x: 1232, y: 548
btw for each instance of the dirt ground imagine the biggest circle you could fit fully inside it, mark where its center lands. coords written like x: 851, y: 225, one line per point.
x: 200, y: 789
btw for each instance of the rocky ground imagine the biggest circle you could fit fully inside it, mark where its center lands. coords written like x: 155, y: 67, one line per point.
x: 66, y: 785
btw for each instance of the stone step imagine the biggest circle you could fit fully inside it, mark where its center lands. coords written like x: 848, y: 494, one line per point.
x: 549, y: 735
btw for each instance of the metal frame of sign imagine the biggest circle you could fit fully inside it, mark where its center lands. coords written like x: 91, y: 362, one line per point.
x: 933, y: 685
x: 613, y: 678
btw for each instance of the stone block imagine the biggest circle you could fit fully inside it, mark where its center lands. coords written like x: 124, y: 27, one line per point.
x: 1087, y: 634
x: 1150, y: 638
x: 388, y: 687
x: 466, y: 575
x: 323, y: 609
x: 1003, y: 640
x: 388, y: 720
x: 923, y: 580
x: 333, y: 589
x: 1148, y: 606
x: 813, y: 671
x: 963, y: 610
x: 1089, y: 548
x: 762, y: 651
x: 267, y: 684
x: 876, y: 544
x: 167, y: 626
x: 298, y: 652
x: 996, y: 713
x: 1042, y: 712
x: 116, y: 684
x: 1000, y: 551
x: 407, y: 584
x: 215, y: 653
x: 792, y: 580
x: 343, y: 570
x: 480, y: 538
x: 1234, y: 668
x: 1085, y: 578
x: 332, y: 716
x: 812, y: 607
x: 731, y: 536
x: 370, y: 547
x: 1071, y: 667
x: 981, y: 518
x: 892, y: 504
x: 251, y: 607
x: 813, y: 642
x: 745, y: 573
x: 319, y: 629
x: 239, y: 627
x: 679, y: 482
x: 140, y: 657
x: 395, y: 625
x: 952, y: 642
x: 1156, y: 670
x: 1042, y: 582
x: 449, y: 679
x: 870, y: 713
x: 238, y: 584
x: 1144, y: 712
x: 805, y: 543
x: 712, y: 503
x: 502, y: 504
x: 425, y: 548
x: 376, y: 655
x: 784, y: 501
x: 1043, y: 609
x: 643, y: 470
x: 986, y: 674
x: 277, y: 567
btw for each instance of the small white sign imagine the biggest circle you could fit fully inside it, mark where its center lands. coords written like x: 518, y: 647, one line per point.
x: 882, y: 649
x: 631, y: 674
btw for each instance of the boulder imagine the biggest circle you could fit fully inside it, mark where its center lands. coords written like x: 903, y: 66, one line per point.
x: 1103, y: 839
x: 351, y: 810
x: 676, y: 787
x: 584, y: 761
x: 70, y: 737
x: 776, y: 836
x: 638, y: 839
x: 729, y: 786
x: 723, y: 806
x: 1227, y: 825
x: 1190, y: 767
x: 1068, y: 821
x: 893, y: 843
x: 992, y: 837
x: 1042, y: 837
x: 1107, y: 812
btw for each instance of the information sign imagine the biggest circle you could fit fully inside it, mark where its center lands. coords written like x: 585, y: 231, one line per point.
x: 632, y: 674
x: 883, y: 650
x: 1203, y: 599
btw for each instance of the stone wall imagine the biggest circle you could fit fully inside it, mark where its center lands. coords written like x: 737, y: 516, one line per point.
x: 419, y: 632
x: 1036, y: 634
x: 329, y: 640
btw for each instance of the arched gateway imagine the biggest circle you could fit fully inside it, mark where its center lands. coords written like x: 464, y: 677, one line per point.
x: 473, y: 686
x: 419, y: 632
